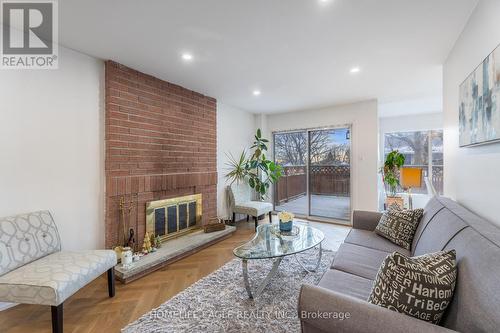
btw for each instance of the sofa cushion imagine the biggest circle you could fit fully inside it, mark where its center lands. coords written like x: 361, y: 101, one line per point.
x: 421, y: 287
x: 25, y: 238
x: 438, y: 232
x: 476, y: 301
x: 346, y: 283
x: 53, y: 278
x: 373, y: 241
x: 253, y: 208
x: 359, y: 260
x: 399, y: 225
x: 430, y: 211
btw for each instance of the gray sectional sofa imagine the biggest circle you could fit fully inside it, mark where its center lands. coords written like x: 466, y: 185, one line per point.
x: 445, y: 225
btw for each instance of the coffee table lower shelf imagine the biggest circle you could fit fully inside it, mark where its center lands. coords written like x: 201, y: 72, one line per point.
x: 272, y: 273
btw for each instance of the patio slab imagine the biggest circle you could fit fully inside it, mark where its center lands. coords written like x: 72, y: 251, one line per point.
x: 329, y: 206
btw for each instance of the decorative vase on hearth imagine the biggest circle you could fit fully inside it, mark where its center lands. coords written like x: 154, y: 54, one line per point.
x: 126, y: 257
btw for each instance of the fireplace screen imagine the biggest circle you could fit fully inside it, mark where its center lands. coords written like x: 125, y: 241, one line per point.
x: 173, y: 217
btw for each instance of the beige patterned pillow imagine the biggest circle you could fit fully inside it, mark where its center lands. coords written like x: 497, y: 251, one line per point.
x: 399, y: 226
x: 421, y: 287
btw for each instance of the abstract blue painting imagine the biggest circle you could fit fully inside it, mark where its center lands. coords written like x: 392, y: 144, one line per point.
x: 479, y: 109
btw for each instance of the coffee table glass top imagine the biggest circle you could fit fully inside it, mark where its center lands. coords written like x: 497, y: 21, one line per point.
x: 269, y: 242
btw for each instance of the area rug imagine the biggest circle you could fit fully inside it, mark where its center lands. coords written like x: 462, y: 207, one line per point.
x: 219, y: 302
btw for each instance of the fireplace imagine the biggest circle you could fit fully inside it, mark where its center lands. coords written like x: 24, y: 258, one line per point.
x: 161, y: 142
x: 170, y: 218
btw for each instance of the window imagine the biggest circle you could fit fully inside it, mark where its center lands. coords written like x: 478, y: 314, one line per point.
x: 422, y: 149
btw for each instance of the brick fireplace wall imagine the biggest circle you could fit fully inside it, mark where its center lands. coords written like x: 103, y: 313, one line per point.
x: 160, y: 143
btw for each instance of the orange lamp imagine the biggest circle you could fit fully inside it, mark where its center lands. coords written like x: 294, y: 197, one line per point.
x: 410, y: 178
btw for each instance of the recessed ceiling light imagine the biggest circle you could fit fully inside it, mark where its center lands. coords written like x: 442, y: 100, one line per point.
x: 187, y: 56
x: 355, y: 70
x: 256, y: 92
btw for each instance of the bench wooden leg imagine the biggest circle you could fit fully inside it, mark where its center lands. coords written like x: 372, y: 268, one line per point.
x: 111, y: 282
x: 57, y: 318
x: 248, y: 218
x: 270, y: 217
x: 234, y: 217
x: 256, y: 218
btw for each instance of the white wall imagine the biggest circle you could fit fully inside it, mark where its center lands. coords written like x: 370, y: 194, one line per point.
x: 409, y: 123
x: 52, y: 146
x: 364, y: 151
x: 471, y: 174
x: 235, y: 131
x: 414, y: 122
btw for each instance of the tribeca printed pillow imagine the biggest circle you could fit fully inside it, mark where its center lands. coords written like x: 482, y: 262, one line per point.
x: 399, y: 225
x: 421, y: 287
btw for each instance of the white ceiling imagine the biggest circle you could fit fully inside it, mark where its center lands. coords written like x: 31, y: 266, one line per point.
x: 297, y: 52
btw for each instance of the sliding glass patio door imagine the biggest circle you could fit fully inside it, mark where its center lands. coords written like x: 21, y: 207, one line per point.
x: 290, y: 193
x: 316, y: 178
x: 330, y: 173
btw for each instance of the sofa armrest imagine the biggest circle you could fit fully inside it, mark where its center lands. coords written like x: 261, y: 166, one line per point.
x: 365, y: 220
x: 357, y: 315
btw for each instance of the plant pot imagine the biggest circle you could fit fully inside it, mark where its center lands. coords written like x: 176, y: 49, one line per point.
x: 286, y: 226
x: 389, y: 201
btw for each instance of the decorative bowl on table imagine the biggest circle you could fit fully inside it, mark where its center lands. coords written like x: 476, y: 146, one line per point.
x: 286, y: 221
x: 285, y: 235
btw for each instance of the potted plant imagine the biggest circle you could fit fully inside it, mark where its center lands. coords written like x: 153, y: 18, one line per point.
x: 286, y: 221
x: 256, y: 170
x: 390, y: 173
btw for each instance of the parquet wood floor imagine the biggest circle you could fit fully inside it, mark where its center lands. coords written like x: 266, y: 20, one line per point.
x: 90, y: 309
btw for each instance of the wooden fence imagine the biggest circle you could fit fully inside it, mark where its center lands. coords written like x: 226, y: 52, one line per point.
x: 330, y: 180
x: 324, y: 180
x: 292, y: 184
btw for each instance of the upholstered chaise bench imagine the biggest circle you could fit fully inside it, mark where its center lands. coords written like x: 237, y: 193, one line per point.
x: 34, y: 270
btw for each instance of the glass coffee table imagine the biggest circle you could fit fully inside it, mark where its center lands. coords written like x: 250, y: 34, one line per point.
x: 270, y: 243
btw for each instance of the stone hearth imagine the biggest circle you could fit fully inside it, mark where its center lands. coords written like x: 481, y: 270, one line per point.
x: 171, y: 251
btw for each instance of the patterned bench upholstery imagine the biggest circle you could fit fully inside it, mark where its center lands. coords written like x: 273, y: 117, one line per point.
x: 240, y: 200
x: 53, y: 278
x: 34, y: 270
